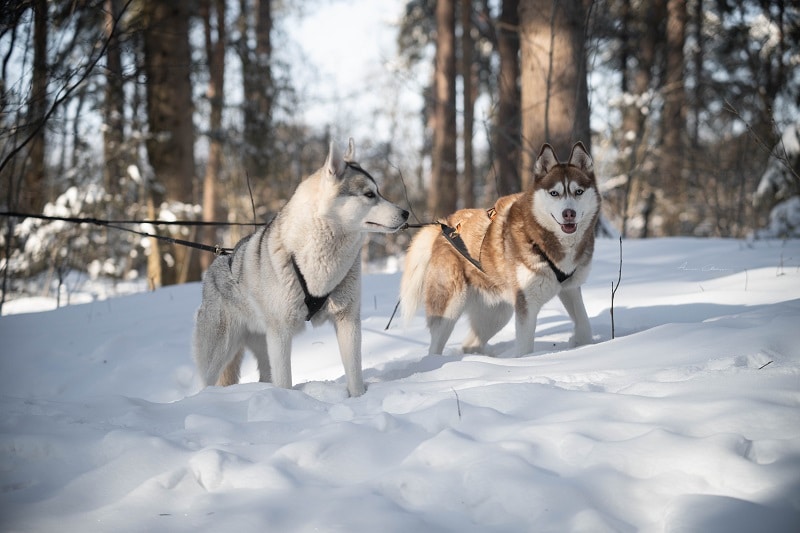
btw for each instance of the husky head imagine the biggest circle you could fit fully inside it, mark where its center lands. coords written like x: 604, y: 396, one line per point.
x: 565, y: 195
x: 357, y: 204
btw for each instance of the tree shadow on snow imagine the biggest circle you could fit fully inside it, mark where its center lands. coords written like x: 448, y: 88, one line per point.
x: 401, y: 369
x: 699, y: 512
x: 631, y: 320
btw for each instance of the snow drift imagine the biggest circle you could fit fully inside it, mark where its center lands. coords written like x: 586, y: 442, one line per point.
x: 688, y: 421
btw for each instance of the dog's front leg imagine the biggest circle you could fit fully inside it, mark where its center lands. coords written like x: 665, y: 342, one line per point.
x: 279, y: 351
x: 348, y: 333
x: 526, y: 313
x: 573, y: 303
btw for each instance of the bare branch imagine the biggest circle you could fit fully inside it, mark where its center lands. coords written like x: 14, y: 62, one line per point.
x: 66, y: 92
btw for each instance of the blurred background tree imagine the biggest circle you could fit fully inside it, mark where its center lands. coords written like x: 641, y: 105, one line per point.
x: 142, y: 109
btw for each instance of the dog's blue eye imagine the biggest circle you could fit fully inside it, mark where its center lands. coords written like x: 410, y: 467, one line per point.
x: 578, y: 192
x: 554, y: 194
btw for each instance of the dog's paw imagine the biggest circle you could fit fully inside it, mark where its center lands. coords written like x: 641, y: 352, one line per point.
x: 580, y: 340
x: 474, y: 349
x: 357, y: 391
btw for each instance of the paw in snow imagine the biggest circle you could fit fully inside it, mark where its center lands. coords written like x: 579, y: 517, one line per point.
x: 580, y: 340
x: 325, y: 391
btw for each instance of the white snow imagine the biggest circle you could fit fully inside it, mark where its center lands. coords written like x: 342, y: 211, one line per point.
x: 688, y: 421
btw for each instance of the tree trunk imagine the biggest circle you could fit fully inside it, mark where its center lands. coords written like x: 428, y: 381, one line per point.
x: 468, y: 98
x: 554, y: 93
x: 674, y: 117
x: 170, y: 145
x: 154, y: 270
x: 444, y: 193
x: 215, y: 52
x: 33, y: 192
x: 258, y: 86
x: 114, y: 110
x: 507, y: 127
x: 640, y: 35
x: 699, y: 74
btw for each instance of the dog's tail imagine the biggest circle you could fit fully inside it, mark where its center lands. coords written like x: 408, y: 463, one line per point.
x: 416, y: 267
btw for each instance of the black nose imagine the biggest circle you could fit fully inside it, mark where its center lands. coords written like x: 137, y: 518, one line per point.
x: 569, y: 215
x: 405, y: 214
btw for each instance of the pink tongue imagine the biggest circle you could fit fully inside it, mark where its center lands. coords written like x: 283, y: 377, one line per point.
x: 569, y: 228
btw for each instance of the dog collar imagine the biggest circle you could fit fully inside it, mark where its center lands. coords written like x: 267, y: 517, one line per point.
x: 313, y: 303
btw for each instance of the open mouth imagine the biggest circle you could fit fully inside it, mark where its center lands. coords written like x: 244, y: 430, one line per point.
x: 569, y: 228
x: 566, y: 227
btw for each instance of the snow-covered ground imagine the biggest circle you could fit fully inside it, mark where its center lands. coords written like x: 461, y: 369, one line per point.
x: 688, y: 421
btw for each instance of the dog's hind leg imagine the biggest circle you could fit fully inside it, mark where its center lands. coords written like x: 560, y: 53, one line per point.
x: 216, y: 343
x: 441, y: 328
x: 485, y: 321
x: 257, y: 344
x: 442, y: 318
x: 445, y: 299
x: 573, y: 303
x: 230, y: 375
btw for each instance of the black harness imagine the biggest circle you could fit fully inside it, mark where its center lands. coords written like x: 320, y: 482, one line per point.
x: 313, y: 303
x: 561, y: 276
x: 452, y: 236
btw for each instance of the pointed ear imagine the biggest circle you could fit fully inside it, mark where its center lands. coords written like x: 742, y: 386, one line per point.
x: 334, y: 165
x: 580, y: 158
x: 547, y: 160
x: 350, y: 155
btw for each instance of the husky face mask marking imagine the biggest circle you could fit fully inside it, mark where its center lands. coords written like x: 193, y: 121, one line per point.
x: 358, y: 203
x: 565, y: 192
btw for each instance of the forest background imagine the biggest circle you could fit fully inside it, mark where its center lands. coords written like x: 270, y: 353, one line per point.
x: 212, y: 110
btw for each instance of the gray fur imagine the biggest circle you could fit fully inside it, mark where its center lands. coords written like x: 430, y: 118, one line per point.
x: 253, y: 299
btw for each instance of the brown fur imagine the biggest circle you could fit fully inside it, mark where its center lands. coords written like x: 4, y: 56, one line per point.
x: 514, y: 274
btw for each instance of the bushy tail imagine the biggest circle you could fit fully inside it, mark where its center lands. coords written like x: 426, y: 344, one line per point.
x: 416, y: 267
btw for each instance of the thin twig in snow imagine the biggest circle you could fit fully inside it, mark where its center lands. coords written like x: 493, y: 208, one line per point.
x: 458, y: 402
x: 614, y: 288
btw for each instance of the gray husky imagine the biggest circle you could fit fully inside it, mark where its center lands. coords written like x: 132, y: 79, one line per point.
x: 303, y: 266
